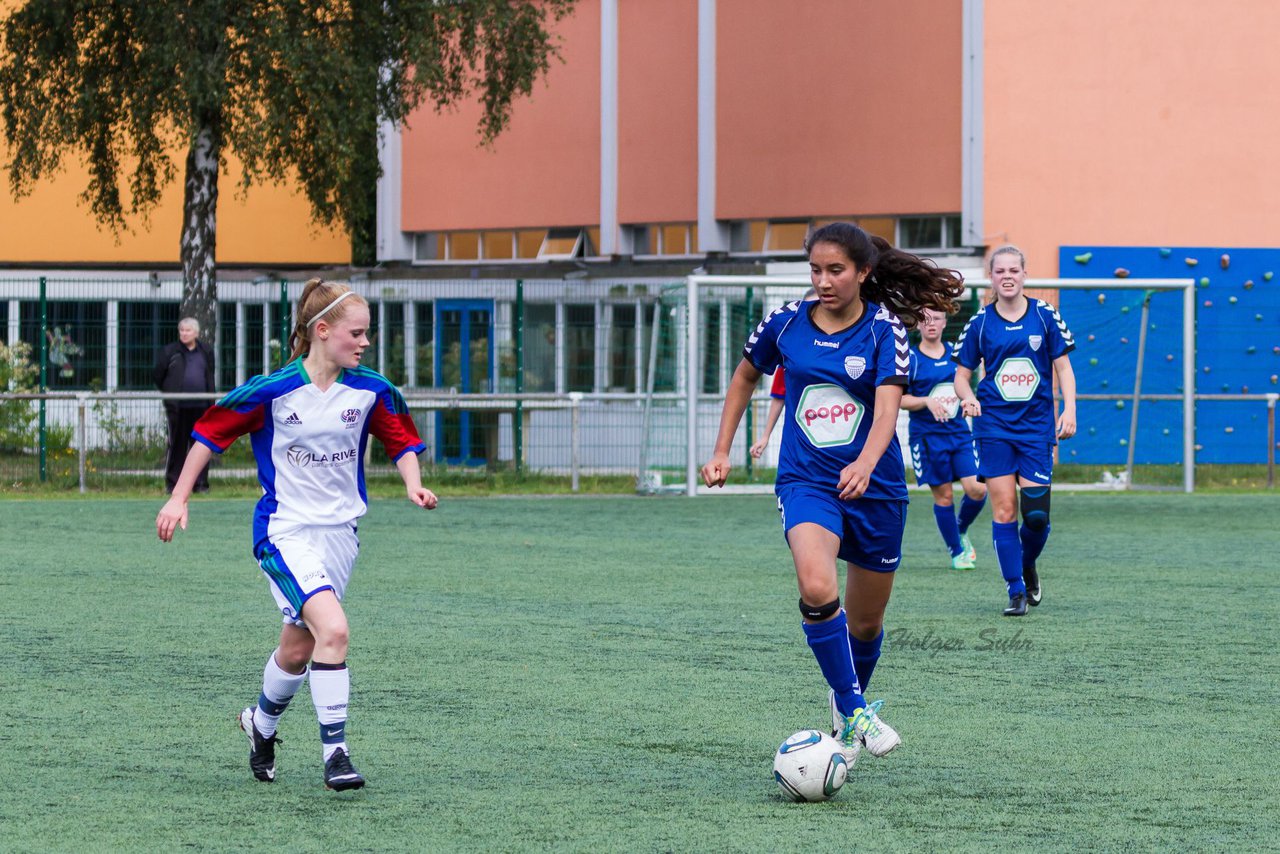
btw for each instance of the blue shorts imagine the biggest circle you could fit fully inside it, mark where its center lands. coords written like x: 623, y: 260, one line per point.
x: 1030, y: 460
x: 940, y: 458
x: 870, y: 529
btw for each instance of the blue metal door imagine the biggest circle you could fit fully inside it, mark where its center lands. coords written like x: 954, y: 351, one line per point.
x: 464, y: 360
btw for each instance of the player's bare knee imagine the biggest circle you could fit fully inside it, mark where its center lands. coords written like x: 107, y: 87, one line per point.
x: 976, y: 491
x: 865, y: 628
x: 1035, y: 507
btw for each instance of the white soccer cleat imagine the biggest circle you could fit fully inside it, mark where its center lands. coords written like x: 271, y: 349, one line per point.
x: 865, y: 726
x: 850, y: 747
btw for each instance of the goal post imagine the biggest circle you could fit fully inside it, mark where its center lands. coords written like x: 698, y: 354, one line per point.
x: 1177, y: 333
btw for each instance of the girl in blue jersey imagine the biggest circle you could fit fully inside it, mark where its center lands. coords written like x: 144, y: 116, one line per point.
x: 941, y: 445
x: 841, y: 484
x: 1023, y: 345
x: 309, y: 423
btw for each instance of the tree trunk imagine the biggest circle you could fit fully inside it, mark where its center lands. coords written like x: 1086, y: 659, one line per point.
x: 200, y: 229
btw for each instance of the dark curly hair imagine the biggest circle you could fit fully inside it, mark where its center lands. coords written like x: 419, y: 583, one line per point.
x: 901, y: 282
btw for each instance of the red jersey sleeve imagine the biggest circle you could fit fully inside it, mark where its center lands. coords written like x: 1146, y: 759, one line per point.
x: 779, y: 389
x: 391, y: 423
x: 221, y: 425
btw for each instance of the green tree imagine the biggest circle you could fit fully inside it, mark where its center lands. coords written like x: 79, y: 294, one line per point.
x: 291, y: 87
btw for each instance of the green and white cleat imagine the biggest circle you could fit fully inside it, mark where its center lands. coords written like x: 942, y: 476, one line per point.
x: 865, y: 726
x: 969, y: 550
x: 851, y: 746
x: 962, y: 561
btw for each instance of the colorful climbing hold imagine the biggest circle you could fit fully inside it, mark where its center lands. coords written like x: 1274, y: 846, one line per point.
x: 1102, y: 298
x: 1274, y: 378
x: 1257, y: 317
x: 1204, y: 281
x: 1224, y: 261
x: 1251, y: 349
x: 1168, y: 357
x: 1165, y: 431
x: 1248, y: 285
x: 1206, y: 369
x: 1090, y: 336
x: 1121, y: 273
x: 1228, y: 429
x: 1124, y: 340
x: 1232, y: 300
x: 1083, y: 257
x: 1119, y: 404
x: 1208, y: 303
x: 1093, y: 362
x: 1266, y: 277
x: 1124, y: 309
x: 1165, y: 253
x: 1191, y: 262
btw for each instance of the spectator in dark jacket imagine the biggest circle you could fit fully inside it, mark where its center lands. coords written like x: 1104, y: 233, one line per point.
x: 186, y: 365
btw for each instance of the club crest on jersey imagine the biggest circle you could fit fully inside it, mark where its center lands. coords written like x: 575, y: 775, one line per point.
x: 350, y: 417
x: 854, y: 366
x: 1035, y: 341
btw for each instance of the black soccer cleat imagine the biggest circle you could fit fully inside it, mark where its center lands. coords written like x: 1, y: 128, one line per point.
x: 262, y: 749
x: 1032, y: 580
x: 1017, y: 606
x: 340, y: 774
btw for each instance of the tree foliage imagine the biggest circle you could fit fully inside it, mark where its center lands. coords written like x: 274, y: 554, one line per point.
x: 295, y: 88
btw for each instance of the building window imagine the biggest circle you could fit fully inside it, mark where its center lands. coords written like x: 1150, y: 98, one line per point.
x: 425, y: 337
x: 145, y: 327
x: 929, y: 232
x: 561, y: 244
x: 580, y: 347
x: 540, y: 347
x: 622, y: 349
x: 76, y: 338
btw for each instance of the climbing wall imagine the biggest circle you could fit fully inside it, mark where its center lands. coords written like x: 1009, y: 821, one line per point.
x: 1237, y: 350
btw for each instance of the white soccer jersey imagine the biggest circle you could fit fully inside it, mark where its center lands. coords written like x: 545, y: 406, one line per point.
x: 309, y: 444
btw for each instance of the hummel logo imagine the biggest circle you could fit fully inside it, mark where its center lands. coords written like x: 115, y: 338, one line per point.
x: 832, y: 344
x: 293, y: 420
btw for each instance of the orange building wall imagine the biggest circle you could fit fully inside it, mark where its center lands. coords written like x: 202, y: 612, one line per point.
x: 271, y: 225
x: 657, y: 111
x: 1148, y: 122
x: 796, y: 83
x: 544, y: 170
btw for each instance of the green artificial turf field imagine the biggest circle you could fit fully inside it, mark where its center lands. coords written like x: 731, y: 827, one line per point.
x: 614, y: 674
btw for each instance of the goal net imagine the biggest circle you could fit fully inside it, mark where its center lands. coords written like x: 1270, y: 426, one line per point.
x: 1133, y: 363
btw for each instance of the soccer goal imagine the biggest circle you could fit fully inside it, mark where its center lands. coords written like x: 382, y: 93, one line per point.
x: 1134, y: 364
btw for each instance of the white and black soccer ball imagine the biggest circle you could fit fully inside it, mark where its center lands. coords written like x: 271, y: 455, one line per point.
x: 810, y: 766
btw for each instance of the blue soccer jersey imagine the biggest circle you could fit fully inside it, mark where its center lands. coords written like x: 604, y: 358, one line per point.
x: 830, y: 393
x: 1017, y: 392
x: 935, y: 378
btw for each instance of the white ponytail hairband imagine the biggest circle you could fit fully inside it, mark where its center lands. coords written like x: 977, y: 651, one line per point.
x: 328, y: 308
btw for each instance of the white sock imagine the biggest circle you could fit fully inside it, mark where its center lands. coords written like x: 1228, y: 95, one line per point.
x: 278, y: 688
x: 330, y: 691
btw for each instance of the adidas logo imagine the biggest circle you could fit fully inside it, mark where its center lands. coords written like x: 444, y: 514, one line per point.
x: 293, y: 420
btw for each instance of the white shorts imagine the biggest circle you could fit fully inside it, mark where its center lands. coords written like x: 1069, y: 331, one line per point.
x: 302, y: 562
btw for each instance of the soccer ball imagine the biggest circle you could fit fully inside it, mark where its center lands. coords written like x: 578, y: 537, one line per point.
x: 809, y: 766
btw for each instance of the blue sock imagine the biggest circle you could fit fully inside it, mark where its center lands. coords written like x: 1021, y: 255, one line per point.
x: 830, y: 644
x: 946, y: 518
x: 969, y: 510
x: 1004, y: 536
x: 865, y: 656
x: 1033, y: 543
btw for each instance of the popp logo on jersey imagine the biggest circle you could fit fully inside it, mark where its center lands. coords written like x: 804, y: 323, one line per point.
x: 828, y: 415
x: 1017, y: 379
x: 945, y: 393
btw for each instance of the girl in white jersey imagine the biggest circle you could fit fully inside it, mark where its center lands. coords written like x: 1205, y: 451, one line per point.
x: 309, y: 423
x: 841, y: 482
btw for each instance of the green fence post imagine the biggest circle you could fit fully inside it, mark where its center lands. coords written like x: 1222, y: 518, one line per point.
x: 751, y: 432
x: 284, y: 323
x: 517, y: 428
x: 44, y: 378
